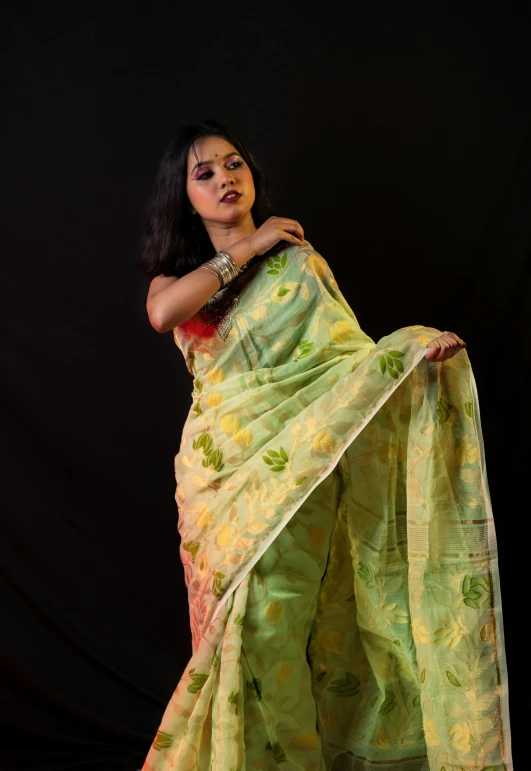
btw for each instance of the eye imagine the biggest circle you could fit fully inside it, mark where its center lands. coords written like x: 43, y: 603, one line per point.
x: 235, y: 164
x: 205, y: 174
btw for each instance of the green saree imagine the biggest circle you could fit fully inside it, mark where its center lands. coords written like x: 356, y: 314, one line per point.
x: 337, y: 542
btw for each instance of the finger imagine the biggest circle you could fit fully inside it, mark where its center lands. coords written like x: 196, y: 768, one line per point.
x: 293, y: 227
x: 456, y: 337
x: 285, y: 236
x: 433, y: 351
x: 440, y: 354
x: 452, y: 347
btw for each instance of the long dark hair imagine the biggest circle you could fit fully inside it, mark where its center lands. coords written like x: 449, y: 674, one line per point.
x: 175, y: 241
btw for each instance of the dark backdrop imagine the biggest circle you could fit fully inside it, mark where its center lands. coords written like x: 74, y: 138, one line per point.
x: 399, y: 137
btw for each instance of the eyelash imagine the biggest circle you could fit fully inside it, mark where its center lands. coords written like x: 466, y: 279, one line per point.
x: 203, y: 177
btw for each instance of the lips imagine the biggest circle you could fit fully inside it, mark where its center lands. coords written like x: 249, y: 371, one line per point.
x: 231, y: 196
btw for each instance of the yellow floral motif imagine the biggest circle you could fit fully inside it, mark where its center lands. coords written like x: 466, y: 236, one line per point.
x: 341, y: 332
x: 333, y: 716
x: 420, y: 633
x: 205, y: 518
x: 450, y: 634
x: 243, y: 437
x: 381, y: 741
x: 466, y: 452
x: 273, y: 611
x: 485, y: 632
x: 308, y: 742
x: 230, y: 424
x: 323, y: 442
x: 316, y: 535
x: 214, y: 399
x: 284, y: 672
x: 216, y: 375
x: 225, y: 533
x: 430, y: 733
x: 393, y: 615
x: 330, y: 640
x: 318, y: 265
x: 460, y: 737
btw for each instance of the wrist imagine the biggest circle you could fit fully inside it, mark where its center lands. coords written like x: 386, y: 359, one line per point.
x: 242, y: 251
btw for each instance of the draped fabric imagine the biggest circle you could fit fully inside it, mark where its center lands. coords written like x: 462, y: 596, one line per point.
x: 338, y: 544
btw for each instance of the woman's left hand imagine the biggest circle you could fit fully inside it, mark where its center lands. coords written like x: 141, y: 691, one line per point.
x: 444, y: 347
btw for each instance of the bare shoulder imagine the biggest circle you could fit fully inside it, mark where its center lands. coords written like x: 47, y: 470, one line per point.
x: 160, y: 282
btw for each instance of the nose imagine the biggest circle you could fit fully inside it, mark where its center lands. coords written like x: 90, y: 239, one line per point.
x: 227, y: 179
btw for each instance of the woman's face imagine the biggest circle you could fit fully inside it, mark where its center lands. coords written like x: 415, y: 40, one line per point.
x: 219, y: 183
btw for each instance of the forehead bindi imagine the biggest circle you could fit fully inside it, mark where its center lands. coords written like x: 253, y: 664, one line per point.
x: 210, y: 150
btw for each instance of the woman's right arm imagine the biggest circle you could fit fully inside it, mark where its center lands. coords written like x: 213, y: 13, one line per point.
x: 172, y: 301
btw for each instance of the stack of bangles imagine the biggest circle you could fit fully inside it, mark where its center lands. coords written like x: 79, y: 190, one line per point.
x: 223, y: 267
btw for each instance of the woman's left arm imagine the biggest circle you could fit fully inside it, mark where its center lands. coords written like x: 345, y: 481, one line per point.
x: 444, y: 347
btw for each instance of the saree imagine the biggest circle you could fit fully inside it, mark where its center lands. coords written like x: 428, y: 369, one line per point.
x: 337, y: 540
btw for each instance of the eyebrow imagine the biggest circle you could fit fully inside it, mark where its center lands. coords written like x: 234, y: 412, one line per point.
x: 205, y: 163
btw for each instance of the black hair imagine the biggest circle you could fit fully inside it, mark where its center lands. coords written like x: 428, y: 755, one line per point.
x: 174, y: 240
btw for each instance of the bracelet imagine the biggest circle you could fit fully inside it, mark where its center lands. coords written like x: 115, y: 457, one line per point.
x: 223, y: 267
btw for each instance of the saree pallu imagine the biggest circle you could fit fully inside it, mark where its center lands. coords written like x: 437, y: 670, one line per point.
x: 338, y: 544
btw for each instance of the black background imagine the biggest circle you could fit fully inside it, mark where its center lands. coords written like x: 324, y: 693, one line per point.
x: 398, y: 136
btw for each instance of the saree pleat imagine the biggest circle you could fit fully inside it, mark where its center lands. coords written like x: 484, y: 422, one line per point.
x: 338, y: 546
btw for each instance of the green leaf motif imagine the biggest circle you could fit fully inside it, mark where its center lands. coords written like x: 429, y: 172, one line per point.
x: 163, y: 740
x: 443, y: 410
x: 283, y: 292
x: 198, y: 385
x: 276, y: 264
x: 256, y: 686
x: 391, y: 362
x: 197, y: 409
x: 388, y: 705
x: 299, y: 481
x: 320, y: 676
x: 198, y: 681
x: 366, y: 575
x: 216, y: 658
x: 305, y: 348
x: 276, y: 460
x: 217, y: 590
x: 347, y: 686
x: 416, y: 701
x: 203, y: 442
x: 215, y: 459
x: 233, y: 699
x: 278, y: 752
x: 422, y: 675
x: 469, y: 409
x: 239, y: 620
x: 192, y: 547
x: 476, y: 591
x: 453, y: 679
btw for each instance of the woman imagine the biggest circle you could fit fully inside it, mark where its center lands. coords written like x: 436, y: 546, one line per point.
x: 336, y: 530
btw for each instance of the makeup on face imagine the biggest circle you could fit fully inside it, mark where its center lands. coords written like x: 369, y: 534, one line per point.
x: 203, y: 170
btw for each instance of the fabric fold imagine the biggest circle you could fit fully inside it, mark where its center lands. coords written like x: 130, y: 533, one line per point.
x: 405, y: 655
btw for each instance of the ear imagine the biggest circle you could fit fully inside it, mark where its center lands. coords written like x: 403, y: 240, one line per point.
x: 192, y: 210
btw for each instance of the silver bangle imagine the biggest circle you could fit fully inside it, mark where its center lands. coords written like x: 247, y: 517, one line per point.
x: 223, y: 267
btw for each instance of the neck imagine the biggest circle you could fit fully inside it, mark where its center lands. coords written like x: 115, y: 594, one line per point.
x: 224, y: 235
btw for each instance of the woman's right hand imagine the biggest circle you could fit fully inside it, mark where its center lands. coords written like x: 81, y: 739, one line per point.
x: 273, y: 230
